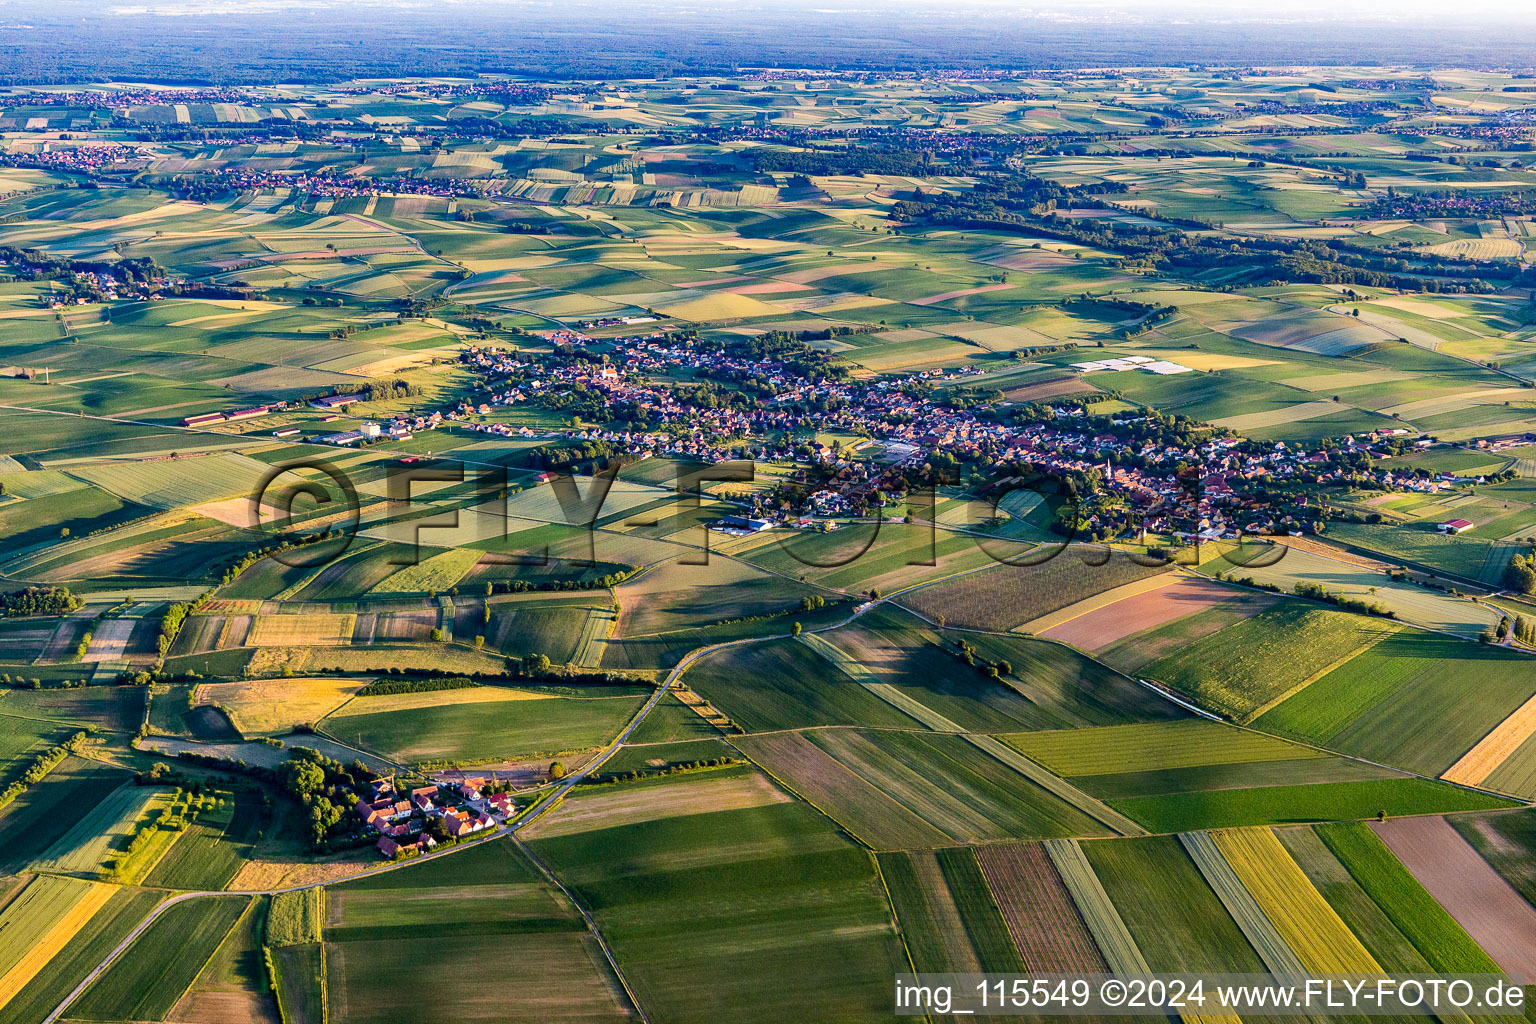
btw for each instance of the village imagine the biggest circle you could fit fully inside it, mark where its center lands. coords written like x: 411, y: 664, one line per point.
x: 412, y: 823
x: 1216, y: 487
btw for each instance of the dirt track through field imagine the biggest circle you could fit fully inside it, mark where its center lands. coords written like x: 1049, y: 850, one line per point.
x: 1481, y: 901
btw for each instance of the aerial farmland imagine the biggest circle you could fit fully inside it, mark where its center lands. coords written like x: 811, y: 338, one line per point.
x: 701, y: 545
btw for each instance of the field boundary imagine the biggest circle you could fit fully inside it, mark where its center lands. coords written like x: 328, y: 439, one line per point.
x: 1104, y: 922
x: 1339, y: 663
x: 1097, y: 602
x: 1486, y: 756
x: 1251, y: 920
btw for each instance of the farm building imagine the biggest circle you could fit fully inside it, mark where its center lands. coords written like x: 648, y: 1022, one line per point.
x: 741, y: 524
x: 1456, y: 526
x: 251, y: 413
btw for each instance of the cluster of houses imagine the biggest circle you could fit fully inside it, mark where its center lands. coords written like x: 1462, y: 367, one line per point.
x: 80, y: 159
x: 330, y: 186
x: 404, y: 821
x: 1144, y: 474
x: 106, y: 288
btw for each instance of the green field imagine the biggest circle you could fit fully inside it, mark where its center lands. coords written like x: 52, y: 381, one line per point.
x: 1152, y: 746
x: 483, y: 731
x: 735, y: 901
x: 99, y: 836
x: 487, y: 896
x: 1176, y: 919
x: 44, y: 813
x: 1413, y: 699
x: 1240, y: 669
x: 146, y: 982
x: 1436, y: 935
x: 782, y: 684
x: 109, y: 926
x: 213, y: 849
x: 1276, y: 805
x: 987, y: 689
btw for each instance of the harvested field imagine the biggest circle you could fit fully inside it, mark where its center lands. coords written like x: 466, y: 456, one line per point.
x: 110, y: 640
x: 1050, y: 934
x: 403, y: 627
x: 584, y: 812
x: 1041, y: 390
x: 259, y: 707
x: 1097, y: 602
x: 1130, y: 654
x: 1095, y: 628
x: 1462, y: 882
x: 325, y: 629
x: 1477, y: 248
x: 1492, y: 750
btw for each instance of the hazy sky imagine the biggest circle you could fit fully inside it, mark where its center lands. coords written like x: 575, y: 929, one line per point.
x: 1199, y: 11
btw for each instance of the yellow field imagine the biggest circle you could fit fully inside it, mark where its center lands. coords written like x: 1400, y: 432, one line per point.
x: 1205, y: 360
x: 1491, y: 751
x: 719, y: 306
x: 261, y: 706
x: 435, y: 698
x: 326, y: 629
x: 1297, y: 910
x: 54, y: 940
x: 1477, y: 248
